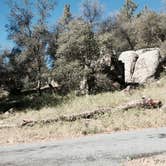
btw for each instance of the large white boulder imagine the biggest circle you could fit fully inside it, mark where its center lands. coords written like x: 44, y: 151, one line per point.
x: 146, y: 66
x: 140, y: 65
x: 128, y: 58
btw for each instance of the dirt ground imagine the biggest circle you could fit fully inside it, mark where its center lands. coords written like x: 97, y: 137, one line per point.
x: 158, y: 160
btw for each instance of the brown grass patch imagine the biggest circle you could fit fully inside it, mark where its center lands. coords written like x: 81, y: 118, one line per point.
x: 114, y: 121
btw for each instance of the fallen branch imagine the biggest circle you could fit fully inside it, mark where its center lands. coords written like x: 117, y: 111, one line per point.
x: 71, y: 118
x: 143, y: 103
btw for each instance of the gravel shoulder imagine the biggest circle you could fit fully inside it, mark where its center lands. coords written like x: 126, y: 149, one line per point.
x: 157, y: 160
x: 101, y: 149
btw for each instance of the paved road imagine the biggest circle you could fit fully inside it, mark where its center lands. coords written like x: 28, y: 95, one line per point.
x: 98, y: 150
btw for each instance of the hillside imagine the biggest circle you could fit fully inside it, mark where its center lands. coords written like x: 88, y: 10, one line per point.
x: 109, y: 122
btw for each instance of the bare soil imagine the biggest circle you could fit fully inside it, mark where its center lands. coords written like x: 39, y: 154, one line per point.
x: 158, y: 160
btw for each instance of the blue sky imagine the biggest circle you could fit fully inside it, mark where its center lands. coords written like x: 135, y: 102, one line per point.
x: 110, y: 6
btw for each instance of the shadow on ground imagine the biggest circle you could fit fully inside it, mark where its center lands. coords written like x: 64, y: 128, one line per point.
x: 31, y: 101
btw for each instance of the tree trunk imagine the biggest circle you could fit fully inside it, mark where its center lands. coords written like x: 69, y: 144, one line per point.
x: 39, y: 87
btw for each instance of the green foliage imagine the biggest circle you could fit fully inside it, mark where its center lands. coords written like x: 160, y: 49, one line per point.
x: 68, y: 75
x: 66, y: 18
x: 92, y: 10
x: 124, y: 31
x: 77, y: 45
x: 150, y: 28
x: 30, y: 33
x: 105, y: 40
x: 103, y: 83
x: 128, y: 9
x: 13, y: 71
x: 121, y: 28
x: 124, y: 37
x: 77, y: 42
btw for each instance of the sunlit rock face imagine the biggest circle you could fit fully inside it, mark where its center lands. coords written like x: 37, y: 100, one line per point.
x: 140, y: 65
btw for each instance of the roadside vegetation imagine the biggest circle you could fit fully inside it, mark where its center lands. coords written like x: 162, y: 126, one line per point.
x: 109, y: 122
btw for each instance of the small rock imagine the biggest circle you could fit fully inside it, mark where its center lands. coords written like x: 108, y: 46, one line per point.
x: 11, y: 110
x: 1, y: 122
x: 163, y: 107
x: 6, y: 113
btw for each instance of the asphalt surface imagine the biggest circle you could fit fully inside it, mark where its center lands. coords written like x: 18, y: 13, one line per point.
x: 98, y: 150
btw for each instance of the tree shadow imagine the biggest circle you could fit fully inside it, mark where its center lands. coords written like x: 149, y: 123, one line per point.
x: 22, y: 102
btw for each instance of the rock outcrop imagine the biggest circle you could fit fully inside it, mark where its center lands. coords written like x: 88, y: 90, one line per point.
x: 140, y: 65
x: 129, y: 59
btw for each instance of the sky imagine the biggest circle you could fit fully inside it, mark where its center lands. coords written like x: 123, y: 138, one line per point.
x: 110, y: 6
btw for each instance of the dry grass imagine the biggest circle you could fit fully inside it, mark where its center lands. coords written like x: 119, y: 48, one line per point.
x: 121, y: 120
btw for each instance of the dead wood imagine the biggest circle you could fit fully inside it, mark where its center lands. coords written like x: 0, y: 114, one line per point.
x: 143, y: 103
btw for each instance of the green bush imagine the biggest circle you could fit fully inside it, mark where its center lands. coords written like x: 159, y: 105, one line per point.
x: 103, y: 83
x: 68, y: 75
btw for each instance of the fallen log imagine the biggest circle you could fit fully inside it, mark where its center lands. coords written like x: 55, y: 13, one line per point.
x: 142, y: 103
x: 71, y: 118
